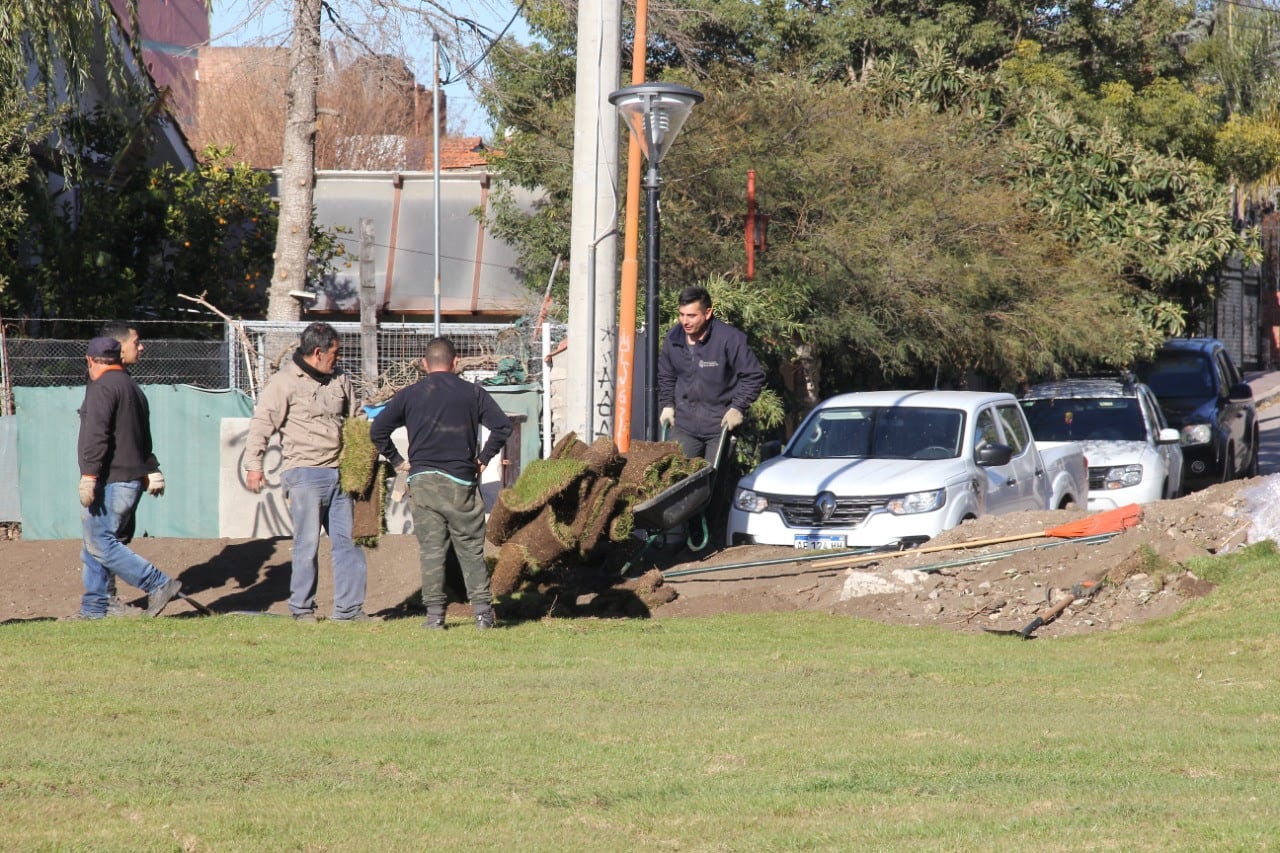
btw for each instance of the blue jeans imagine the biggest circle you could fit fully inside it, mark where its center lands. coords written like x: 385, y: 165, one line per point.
x: 316, y: 501
x: 105, y: 523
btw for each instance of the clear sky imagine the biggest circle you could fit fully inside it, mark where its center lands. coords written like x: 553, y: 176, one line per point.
x: 267, y: 22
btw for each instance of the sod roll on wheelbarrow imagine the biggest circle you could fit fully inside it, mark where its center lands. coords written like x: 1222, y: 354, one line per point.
x: 678, y: 503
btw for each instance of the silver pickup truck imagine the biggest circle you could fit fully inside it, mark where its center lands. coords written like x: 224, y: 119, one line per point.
x: 888, y: 468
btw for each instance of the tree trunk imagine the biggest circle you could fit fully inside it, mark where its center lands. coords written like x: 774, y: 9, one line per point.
x: 297, y: 172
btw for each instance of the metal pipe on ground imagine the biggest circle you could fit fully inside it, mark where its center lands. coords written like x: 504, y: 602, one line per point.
x: 869, y: 555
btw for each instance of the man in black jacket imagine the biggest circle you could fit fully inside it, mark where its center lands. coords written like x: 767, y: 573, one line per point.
x: 707, y: 377
x: 116, y: 466
x: 442, y: 414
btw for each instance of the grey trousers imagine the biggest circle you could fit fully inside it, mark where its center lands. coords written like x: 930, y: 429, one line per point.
x: 444, y: 512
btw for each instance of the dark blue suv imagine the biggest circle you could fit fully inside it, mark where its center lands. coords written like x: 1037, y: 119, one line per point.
x: 1204, y: 397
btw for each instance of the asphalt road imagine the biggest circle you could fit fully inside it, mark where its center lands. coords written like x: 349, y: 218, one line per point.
x: 1269, y: 439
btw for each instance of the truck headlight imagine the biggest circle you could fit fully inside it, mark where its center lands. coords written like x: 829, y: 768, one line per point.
x: 1196, y: 434
x: 1122, y: 477
x: 748, y: 501
x: 917, y: 502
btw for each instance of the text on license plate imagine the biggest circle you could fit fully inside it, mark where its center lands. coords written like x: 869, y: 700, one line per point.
x: 819, y: 541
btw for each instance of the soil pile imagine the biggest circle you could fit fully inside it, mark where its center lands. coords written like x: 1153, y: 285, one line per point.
x: 1003, y: 586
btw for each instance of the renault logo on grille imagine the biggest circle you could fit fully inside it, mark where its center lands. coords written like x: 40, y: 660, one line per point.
x: 825, y: 506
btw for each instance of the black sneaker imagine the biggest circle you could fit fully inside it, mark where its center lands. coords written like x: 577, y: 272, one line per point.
x: 435, y: 621
x: 305, y: 616
x: 158, y: 599
x: 484, y: 620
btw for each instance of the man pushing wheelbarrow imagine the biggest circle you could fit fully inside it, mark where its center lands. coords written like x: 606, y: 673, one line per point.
x: 707, y: 378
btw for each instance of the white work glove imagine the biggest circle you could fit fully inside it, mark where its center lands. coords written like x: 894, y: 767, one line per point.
x: 87, y: 486
x: 155, y: 483
x: 732, y: 420
x: 667, y: 417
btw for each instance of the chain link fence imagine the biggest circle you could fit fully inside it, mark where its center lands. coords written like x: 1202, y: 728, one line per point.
x: 241, y: 355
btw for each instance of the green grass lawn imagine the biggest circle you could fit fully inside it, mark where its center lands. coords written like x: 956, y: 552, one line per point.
x: 787, y: 731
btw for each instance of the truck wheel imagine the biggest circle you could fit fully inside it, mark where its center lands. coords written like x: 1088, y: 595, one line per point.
x: 1251, y: 470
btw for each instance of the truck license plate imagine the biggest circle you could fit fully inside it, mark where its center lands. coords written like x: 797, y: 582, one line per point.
x: 819, y: 541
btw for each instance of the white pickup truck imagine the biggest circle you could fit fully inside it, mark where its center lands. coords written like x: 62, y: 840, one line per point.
x: 888, y: 468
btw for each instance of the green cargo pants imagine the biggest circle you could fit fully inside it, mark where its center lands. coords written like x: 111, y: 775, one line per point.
x: 444, y: 512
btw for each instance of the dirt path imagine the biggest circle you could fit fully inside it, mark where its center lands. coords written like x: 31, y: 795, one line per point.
x: 1143, y: 568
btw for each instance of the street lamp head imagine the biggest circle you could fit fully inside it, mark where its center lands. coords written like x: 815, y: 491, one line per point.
x: 655, y: 112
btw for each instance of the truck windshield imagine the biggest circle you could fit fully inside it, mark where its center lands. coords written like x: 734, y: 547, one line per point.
x: 1076, y: 419
x: 880, y: 432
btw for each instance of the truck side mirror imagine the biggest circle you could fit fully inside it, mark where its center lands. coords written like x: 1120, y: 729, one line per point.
x: 770, y: 449
x: 994, y: 455
x: 1240, y: 391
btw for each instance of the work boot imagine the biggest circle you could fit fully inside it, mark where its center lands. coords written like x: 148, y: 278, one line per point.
x: 81, y: 617
x: 435, y: 619
x: 116, y: 607
x: 160, y: 597
x: 484, y: 616
x: 358, y: 616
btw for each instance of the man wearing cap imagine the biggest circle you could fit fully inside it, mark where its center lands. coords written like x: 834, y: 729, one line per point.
x: 130, y: 348
x: 116, y: 466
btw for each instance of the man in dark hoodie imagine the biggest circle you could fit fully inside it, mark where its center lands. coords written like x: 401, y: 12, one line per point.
x: 442, y: 414
x: 707, y: 377
x: 116, y: 465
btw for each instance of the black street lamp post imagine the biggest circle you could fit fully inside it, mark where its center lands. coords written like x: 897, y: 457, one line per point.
x: 655, y: 112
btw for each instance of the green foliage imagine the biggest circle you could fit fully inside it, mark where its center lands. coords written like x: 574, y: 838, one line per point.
x: 1239, y: 57
x: 899, y: 246
x: 1164, y: 116
x: 932, y: 217
x: 1161, y: 220
x: 218, y: 232
x: 60, y: 40
x: 1248, y: 149
x: 22, y: 127
x: 532, y: 100
x: 131, y: 239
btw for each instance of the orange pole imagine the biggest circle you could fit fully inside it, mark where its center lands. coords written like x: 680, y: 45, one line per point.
x: 630, y: 265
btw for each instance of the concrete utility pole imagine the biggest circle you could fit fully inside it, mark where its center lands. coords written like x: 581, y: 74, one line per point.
x: 593, y: 267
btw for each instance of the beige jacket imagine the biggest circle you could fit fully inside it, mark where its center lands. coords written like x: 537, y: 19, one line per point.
x: 307, y: 415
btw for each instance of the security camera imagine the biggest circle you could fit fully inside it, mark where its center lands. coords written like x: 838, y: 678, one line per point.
x: 304, y: 295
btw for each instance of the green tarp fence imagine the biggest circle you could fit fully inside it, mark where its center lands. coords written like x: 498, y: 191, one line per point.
x: 185, y: 428
x: 185, y: 424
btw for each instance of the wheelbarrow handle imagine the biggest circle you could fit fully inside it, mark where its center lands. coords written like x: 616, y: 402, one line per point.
x: 724, y: 439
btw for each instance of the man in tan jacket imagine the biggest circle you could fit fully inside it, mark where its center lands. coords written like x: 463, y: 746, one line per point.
x: 306, y: 402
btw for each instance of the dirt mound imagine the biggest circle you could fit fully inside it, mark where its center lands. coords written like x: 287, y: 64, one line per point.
x: 1140, y: 573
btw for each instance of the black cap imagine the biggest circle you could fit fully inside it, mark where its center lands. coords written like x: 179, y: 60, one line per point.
x: 104, y: 348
